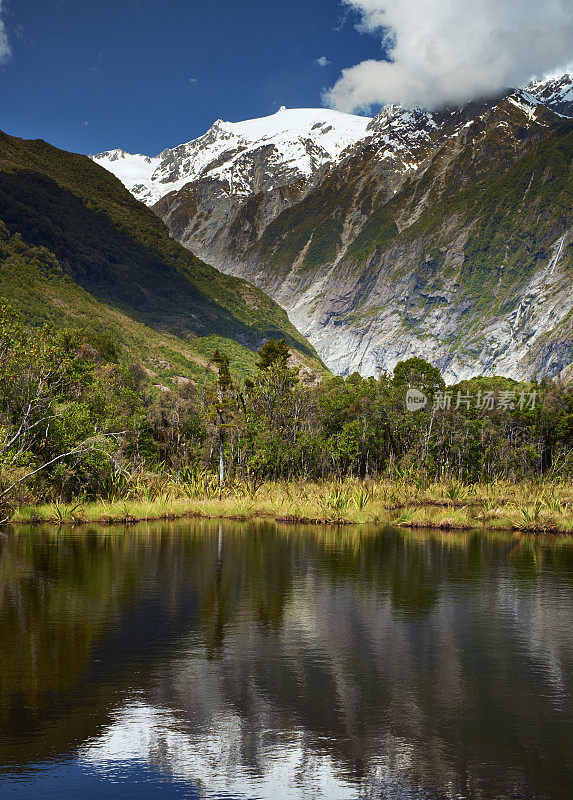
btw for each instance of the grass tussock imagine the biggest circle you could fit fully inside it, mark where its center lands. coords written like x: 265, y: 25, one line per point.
x: 529, y: 507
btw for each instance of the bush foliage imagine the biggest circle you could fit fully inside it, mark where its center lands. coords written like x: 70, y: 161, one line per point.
x: 78, y: 418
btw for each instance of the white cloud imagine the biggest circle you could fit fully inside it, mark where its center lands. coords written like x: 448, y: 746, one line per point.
x: 322, y: 61
x: 194, y: 81
x: 5, y: 49
x: 450, y: 51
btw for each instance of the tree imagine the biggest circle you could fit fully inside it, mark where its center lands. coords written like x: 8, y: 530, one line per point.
x: 275, y: 403
x: 61, y: 409
x: 273, y: 353
x: 222, y: 407
x: 417, y: 373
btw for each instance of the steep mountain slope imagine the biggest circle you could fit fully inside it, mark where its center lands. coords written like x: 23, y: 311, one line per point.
x: 446, y: 235
x: 33, y: 282
x: 430, y: 245
x: 73, y: 232
x: 237, y: 174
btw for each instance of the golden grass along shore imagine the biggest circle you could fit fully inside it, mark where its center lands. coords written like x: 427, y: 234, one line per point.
x: 501, y: 505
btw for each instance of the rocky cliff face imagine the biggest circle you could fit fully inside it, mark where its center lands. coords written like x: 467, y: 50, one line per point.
x: 446, y: 235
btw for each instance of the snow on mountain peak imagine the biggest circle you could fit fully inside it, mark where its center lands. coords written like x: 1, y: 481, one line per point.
x: 133, y: 170
x: 262, y: 154
x: 248, y: 156
x: 556, y: 92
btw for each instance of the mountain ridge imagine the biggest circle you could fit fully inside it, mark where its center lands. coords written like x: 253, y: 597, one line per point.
x: 304, y: 140
x: 149, y: 178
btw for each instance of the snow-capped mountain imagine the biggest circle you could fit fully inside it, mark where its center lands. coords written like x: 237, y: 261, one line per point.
x: 555, y: 92
x: 439, y: 234
x: 261, y: 155
x: 256, y: 155
x: 133, y: 169
x: 405, y: 135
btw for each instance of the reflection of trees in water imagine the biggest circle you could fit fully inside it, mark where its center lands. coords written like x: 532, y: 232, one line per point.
x: 360, y: 645
x: 56, y: 598
x: 75, y: 617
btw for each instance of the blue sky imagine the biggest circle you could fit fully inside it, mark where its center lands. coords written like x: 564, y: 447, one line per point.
x: 89, y: 75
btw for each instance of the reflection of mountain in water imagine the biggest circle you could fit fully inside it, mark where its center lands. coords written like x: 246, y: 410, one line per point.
x: 331, y: 664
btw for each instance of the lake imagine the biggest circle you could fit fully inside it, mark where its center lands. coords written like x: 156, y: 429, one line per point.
x: 200, y: 659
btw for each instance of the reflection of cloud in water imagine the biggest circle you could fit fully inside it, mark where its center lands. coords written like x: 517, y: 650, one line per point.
x: 348, y: 700
x: 544, y: 633
x: 286, y: 767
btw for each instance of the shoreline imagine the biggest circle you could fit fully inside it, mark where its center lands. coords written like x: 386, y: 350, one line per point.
x: 437, y: 514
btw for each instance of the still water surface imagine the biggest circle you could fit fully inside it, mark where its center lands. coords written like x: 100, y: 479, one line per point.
x: 250, y: 660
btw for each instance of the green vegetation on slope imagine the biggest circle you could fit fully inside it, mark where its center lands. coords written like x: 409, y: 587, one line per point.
x: 33, y: 281
x: 313, y: 226
x: 515, y: 213
x: 480, y: 219
x: 121, y: 253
